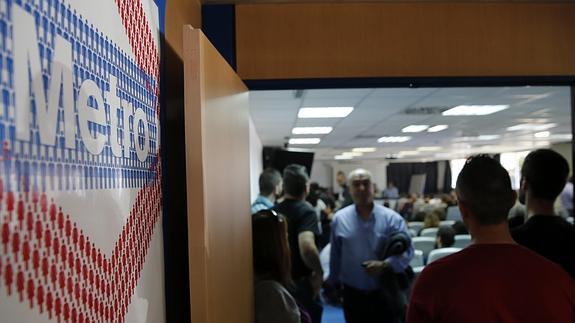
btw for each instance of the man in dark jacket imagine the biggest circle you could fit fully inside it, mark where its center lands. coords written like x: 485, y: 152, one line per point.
x: 543, y: 177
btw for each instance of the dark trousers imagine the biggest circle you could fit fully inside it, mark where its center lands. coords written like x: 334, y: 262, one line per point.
x: 304, y: 296
x: 365, y: 307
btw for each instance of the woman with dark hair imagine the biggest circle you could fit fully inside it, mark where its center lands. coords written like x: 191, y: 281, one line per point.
x: 272, y: 267
x: 445, y: 237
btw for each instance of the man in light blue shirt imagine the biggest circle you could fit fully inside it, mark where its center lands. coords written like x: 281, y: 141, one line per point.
x: 359, y: 232
x: 270, y: 183
x: 391, y: 192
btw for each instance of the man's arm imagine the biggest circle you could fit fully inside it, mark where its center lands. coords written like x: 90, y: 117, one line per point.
x: 310, y: 256
x: 400, y: 262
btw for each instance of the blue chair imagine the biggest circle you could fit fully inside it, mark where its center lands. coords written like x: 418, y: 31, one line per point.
x: 440, y: 253
x: 453, y: 213
x: 425, y: 244
x: 429, y: 232
x: 462, y: 240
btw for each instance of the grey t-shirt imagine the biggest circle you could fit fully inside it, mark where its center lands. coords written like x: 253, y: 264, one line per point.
x: 274, y: 304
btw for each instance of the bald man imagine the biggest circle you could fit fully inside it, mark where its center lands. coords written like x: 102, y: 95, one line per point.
x: 358, y: 233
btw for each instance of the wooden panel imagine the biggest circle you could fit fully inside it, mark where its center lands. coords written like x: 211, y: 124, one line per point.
x: 217, y: 159
x: 405, y: 39
x: 178, y: 14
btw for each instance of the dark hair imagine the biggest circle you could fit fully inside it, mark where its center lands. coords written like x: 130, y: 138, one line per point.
x: 329, y: 201
x: 295, y: 180
x: 268, y: 181
x: 546, y: 172
x: 485, y: 188
x: 314, y: 192
x: 419, y: 216
x: 446, y: 235
x: 271, y: 253
x: 459, y: 227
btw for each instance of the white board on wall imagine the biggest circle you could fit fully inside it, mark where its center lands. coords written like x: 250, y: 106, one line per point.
x: 417, y: 184
x: 80, y: 191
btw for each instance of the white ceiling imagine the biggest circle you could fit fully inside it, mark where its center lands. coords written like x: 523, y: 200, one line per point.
x: 381, y: 112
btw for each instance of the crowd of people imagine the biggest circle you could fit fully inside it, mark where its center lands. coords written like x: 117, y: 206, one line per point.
x: 520, y: 274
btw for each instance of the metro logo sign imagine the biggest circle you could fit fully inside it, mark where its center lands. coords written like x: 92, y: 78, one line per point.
x: 79, y: 115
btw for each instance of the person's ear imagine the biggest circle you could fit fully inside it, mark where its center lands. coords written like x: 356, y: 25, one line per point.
x: 524, y: 184
x: 278, y: 189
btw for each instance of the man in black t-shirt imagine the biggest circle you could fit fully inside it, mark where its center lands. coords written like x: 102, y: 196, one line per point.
x: 543, y: 176
x: 302, y: 234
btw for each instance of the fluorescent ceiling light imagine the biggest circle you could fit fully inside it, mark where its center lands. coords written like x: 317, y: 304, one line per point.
x: 415, y: 128
x: 342, y: 157
x: 561, y: 136
x: 488, y: 137
x: 532, y: 126
x: 478, y: 138
x: 429, y: 148
x: 542, y: 134
x: 408, y: 153
x: 326, y: 112
x: 352, y: 153
x: 311, y: 130
x: 394, y: 139
x: 462, y: 139
x: 304, y: 141
x: 364, y: 149
x: 437, y: 128
x: 444, y: 155
x: 474, y: 110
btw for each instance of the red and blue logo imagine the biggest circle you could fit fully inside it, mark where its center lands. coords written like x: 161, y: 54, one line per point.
x: 77, y: 114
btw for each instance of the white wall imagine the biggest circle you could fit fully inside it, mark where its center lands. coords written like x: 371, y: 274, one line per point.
x: 565, y: 149
x: 256, y: 162
x: 321, y: 173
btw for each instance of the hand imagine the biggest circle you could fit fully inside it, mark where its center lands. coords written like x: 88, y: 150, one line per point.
x: 374, y: 268
x: 316, y: 280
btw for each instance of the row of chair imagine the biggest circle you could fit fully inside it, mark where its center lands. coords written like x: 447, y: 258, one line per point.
x: 419, y: 262
x: 435, y: 254
x: 415, y: 226
x: 427, y: 244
